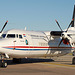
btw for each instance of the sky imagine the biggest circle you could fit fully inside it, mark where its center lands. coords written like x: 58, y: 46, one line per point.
x: 37, y: 15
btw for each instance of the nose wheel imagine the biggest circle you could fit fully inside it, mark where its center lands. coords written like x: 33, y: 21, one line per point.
x: 3, y: 63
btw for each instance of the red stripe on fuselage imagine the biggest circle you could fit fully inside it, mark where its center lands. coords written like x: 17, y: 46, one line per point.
x: 34, y: 47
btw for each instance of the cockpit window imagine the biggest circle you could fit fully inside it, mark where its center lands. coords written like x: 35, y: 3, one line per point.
x: 17, y: 35
x: 11, y: 36
x: 3, y: 35
x: 20, y: 36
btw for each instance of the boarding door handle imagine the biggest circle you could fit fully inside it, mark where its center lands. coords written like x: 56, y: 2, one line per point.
x: 14, y: 45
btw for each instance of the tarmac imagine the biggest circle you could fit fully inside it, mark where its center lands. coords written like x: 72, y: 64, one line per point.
x: 41, y: 66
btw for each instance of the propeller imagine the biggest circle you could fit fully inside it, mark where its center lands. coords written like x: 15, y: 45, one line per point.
x: 65, y: 36
x: 4, y: 26
x: 64, y: 39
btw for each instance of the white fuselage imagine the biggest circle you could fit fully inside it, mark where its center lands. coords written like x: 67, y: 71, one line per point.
x: 23, y: 44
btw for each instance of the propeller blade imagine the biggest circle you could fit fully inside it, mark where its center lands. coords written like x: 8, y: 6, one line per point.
x: 69, y: 36
x: 73, y: 24
x: 58, y: 25
x: 60, y: 42
x: 4, y: 26
x: 70, y: 24
x: 47, y: 51
x: 69, y: 44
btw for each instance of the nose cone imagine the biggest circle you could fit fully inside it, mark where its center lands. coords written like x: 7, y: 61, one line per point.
x: 2, y: 42
x: 3, y: 45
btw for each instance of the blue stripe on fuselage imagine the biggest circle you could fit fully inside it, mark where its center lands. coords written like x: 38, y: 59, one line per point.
x: 36, y: 49
x: 26, y: 49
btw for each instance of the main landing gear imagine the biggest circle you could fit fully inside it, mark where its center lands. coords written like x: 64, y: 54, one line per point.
x: 73, y: 60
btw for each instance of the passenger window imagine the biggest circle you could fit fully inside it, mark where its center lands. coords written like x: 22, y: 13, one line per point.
x: 20, y: 36
x: 26, y: 42
x: 11, y: 36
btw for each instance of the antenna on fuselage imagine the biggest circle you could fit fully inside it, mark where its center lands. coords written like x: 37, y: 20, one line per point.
x: 25, y: 28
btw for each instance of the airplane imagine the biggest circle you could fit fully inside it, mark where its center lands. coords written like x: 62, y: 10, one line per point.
x: 17, y: 44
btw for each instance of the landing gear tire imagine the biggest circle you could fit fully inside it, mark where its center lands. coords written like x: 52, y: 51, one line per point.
x: 3, y: 64
x: 73, y: 60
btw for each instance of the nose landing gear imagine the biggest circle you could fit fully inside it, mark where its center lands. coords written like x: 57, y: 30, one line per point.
x: 3, y: 63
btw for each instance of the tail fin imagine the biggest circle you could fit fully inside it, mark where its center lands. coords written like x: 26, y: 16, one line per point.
x: 73, y: 24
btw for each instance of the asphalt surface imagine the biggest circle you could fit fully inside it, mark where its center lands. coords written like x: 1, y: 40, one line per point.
x: 61, y: 66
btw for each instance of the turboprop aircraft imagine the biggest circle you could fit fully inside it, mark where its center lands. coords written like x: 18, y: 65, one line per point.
x: 19, y: 44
